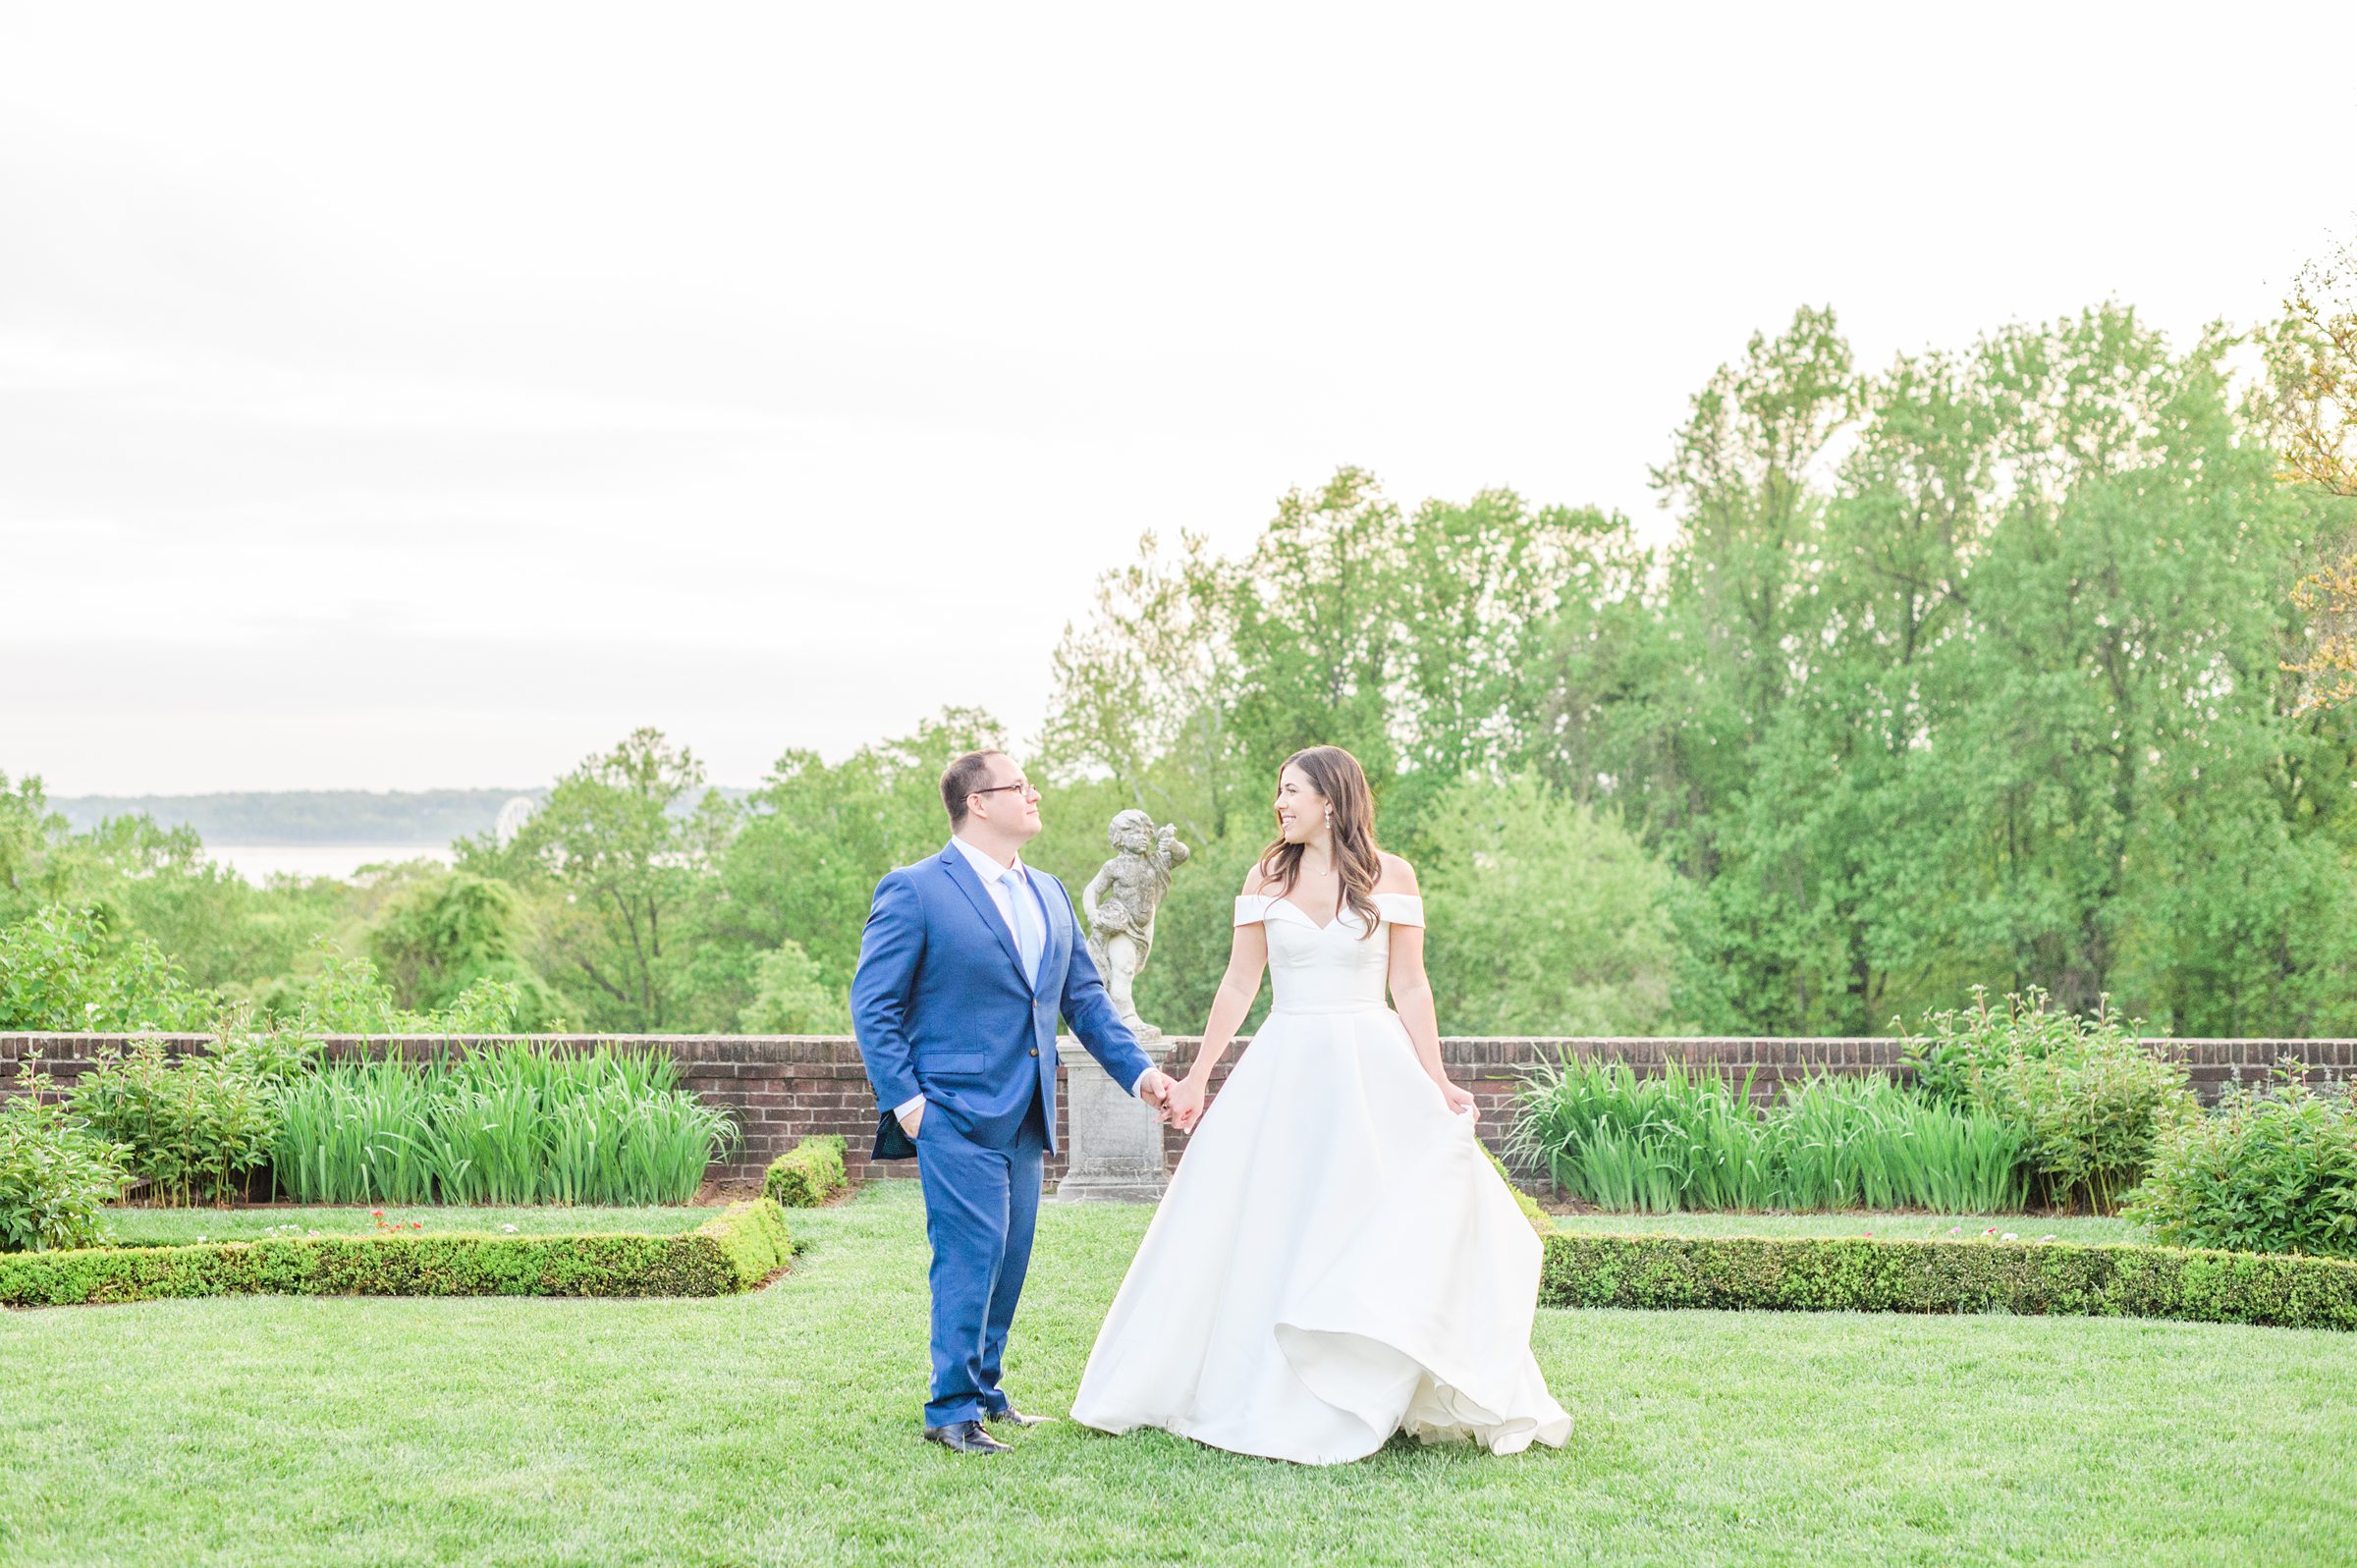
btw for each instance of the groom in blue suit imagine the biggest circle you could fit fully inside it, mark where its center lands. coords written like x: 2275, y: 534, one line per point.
x: 968, y: 960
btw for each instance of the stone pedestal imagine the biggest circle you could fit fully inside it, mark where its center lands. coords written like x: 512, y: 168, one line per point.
x: 1113, y: 1145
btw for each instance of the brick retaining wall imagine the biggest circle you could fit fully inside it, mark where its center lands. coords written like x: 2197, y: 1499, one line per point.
x: 785, y: 1088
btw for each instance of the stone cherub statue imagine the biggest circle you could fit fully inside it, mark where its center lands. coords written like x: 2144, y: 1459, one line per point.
x: 1119, y: 902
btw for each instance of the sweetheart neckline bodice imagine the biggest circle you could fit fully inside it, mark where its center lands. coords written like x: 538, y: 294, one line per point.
x: 1308, y: 973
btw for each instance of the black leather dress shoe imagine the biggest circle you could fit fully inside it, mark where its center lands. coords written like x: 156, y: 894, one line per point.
x: 966, y: 1438
x: 1012, y: 1417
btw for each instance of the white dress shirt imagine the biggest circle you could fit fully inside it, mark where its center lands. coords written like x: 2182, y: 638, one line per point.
x: 992, y: 874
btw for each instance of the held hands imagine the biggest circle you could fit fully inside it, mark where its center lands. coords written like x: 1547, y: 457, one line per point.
x: 1176, y: 1102
x: 1154, y: 1088
x: 1186, y: 1104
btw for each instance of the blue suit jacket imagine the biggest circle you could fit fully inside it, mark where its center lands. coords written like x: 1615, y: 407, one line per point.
x: 941, y: 1008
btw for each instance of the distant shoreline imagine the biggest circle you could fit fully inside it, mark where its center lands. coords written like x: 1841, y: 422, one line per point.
x: 293, y: 819
x: 421, y: 819
x: 258, y: 863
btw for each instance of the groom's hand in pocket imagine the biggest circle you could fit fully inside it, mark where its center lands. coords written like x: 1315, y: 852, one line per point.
x: 909, y: 1115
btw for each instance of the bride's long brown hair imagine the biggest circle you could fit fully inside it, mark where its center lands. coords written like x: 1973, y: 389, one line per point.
x: 1335, y: 773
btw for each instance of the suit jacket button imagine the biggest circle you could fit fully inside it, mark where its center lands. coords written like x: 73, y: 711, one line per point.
x: 1035, y: 1051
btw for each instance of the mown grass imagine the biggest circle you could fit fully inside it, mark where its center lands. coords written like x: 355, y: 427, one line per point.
x: 781, y: 1428
x: 1912, y: 1225
x: 172, y: 1227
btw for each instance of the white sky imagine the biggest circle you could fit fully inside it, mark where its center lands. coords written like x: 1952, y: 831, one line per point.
x: 406, y: 395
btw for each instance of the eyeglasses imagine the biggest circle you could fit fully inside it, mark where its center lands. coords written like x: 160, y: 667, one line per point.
x: 1024, y: 785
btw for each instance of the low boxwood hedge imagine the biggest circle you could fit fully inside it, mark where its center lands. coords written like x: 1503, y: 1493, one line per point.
x: 806, y: 1176
x: 1813, y: 1274
x: 730, y: 1252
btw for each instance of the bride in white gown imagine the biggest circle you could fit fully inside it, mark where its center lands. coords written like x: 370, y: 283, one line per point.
x: 1336, y: 1259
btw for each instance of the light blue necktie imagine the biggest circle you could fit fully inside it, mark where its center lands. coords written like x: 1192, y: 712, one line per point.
x: 1026, y: 923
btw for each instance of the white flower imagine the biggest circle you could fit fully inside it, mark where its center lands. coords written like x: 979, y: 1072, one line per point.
x: 2043, y: 1240
x: 509, y: 1228
x: 2009, y: 1236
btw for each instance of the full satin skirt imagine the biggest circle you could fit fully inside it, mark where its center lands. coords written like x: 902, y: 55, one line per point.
x: 1335, y: 1260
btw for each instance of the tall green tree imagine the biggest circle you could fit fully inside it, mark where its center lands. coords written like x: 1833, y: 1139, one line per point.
x: 1317, y: 621
x: 444, y: 933
x: 1146, y: 687
x: 32, y: 872
x: 2313, y: 358
x: 815, y: 840
x: 625, y: 840
x: 2124, y: 728
x: 1475, y: 586
x: 1548, y: 917
x: 1743, y: 807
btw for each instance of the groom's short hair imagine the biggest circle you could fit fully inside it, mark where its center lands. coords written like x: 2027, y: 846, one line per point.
x: 961, y: 778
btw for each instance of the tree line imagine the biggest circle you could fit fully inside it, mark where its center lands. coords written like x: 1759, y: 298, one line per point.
x: 2011, y: 665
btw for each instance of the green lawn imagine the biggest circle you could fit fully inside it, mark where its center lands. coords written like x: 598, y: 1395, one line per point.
x: 780, y: 1426
x: 170, y: 1227
x: 1902, y: 1227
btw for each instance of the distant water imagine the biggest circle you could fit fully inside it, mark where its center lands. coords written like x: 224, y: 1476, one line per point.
x: 258, y: 863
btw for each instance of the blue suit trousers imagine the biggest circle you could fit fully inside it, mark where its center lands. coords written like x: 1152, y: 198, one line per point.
x: 981, y: 1205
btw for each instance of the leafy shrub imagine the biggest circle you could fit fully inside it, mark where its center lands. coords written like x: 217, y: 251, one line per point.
x: 791, y: 998
x: 442, y: 936
x: 500, y: 1124
x: 1961, y: 1048
x: 2091, y: 1099
x: 806, y: 1176
x: 1682, y: 1140
x: 195, y: 1126
x: 347, y: 997
x: 61, y: 969
x: 1816, y: 1273
x: 275, y: 1056
x: 56, y: 1176
x: 729, y: 1253
x: 2094, y: 1115
x: 2269, y: 1170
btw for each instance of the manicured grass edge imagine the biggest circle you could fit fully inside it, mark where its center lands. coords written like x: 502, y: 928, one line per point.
x: 730, y: 1252
x: 807, y: 1174
x: 1853, y: 1273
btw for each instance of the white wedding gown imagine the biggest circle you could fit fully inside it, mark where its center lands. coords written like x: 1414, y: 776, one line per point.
x: 1336, y: 1259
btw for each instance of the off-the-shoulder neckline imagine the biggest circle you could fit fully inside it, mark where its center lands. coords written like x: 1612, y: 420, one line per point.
x: 1267, y: 899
